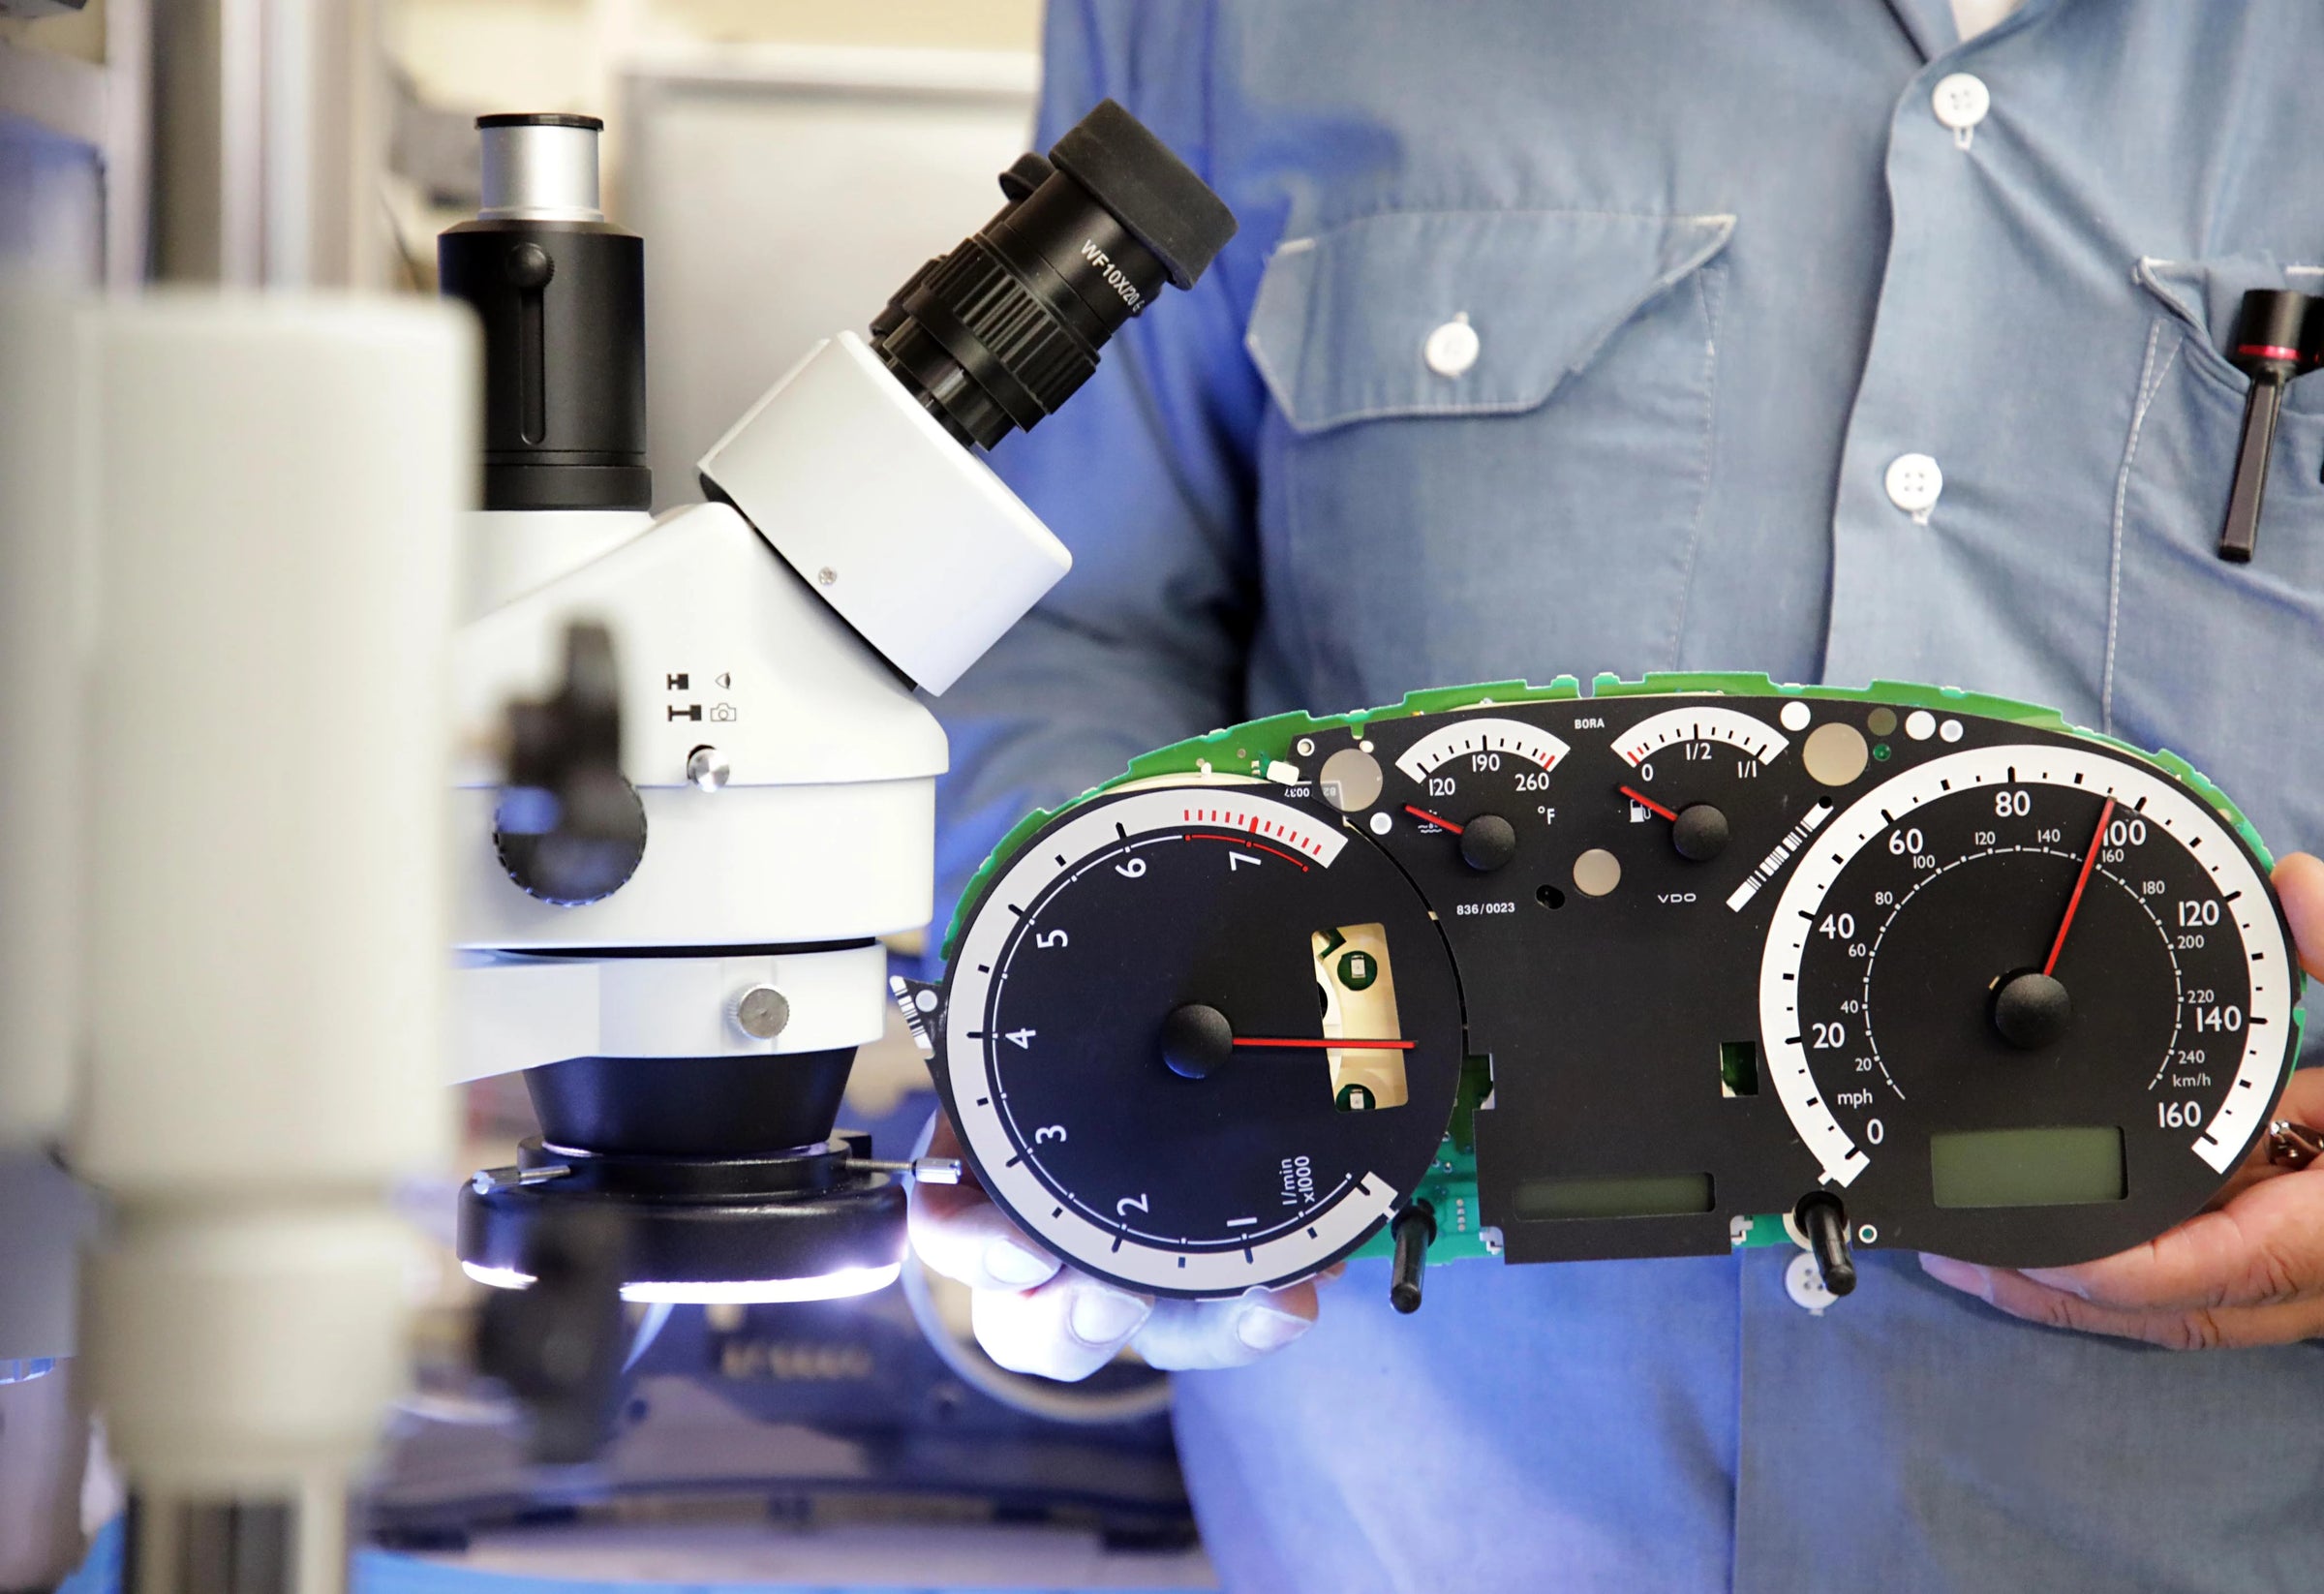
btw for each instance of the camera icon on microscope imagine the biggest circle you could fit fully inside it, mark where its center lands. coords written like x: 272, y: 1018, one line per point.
x: 723, y: 711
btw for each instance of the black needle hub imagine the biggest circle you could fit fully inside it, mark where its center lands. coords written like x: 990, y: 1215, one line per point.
x: 1487, y: 842
x: 2031, y: 1010
x: 1197, y: 1041
x: 1700, y: 832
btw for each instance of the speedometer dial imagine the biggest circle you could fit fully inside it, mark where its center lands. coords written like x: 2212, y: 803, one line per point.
x: 2028, y: 978
x: 1200, y: 1039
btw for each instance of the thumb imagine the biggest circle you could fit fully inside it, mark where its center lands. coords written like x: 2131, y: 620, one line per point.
x: 2299, y: 884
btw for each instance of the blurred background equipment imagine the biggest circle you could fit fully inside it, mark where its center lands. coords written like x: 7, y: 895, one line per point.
x: 250, y: 879
x: 752, y: 173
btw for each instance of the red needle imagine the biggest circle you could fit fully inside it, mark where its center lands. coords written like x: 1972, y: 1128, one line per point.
x: 1442, y: 824
x: 2074, y: 903
x: 1333, y: 1045
x: 1647, y: 803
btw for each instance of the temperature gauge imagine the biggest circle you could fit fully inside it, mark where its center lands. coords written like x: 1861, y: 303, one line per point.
x: 1479, y: 779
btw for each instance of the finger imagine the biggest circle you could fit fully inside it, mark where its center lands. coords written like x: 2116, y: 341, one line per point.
x: 1199, y: 1336
x: 961, y: 1234
x: 2264, y: 1242
x: 940, y: 1139
x: 1066, y: 1330
x: 2200, y: 1329
x: 965, y: 1237
x: 2266, y: 1245
x: 2303, y: 1096
x: 2300, y: 886
x: 2302, y: 1102
x: 958, y: 1231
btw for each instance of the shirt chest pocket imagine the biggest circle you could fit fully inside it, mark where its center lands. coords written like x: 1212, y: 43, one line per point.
x: 2223, y: 662
x: 1490, y: 442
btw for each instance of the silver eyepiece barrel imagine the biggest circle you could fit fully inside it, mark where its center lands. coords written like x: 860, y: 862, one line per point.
x: 540, y: 168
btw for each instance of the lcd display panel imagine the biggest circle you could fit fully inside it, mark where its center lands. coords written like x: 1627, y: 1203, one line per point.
x: 1627, y: 1195
x: 2071, y: 1166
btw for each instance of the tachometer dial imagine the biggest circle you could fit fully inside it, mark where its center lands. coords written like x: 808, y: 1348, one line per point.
x: 2031, y: 977
x: 1209, y: 1040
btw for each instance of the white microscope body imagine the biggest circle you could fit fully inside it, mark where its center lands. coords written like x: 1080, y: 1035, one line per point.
x: 787, y: 770
x: 699, y: 785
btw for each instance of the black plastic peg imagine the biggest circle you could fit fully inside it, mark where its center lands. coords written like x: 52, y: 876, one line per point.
x: 1825, y: 1221
x: 1415, y: 1229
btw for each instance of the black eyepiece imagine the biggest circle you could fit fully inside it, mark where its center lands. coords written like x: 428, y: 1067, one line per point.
x: 1003, y: 329
x: 560, y: 296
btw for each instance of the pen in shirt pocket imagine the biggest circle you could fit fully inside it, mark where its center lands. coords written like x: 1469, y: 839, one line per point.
x: 2279, y: 336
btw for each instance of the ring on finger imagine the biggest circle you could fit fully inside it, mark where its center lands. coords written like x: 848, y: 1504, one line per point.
x: 2293, y: 1145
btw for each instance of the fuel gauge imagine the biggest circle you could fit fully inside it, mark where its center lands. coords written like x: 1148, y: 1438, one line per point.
x: 1687, y: 768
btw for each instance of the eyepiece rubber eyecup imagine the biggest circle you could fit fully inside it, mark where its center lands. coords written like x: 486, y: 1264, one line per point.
x: 997, y: 334
x: 1148, y: 189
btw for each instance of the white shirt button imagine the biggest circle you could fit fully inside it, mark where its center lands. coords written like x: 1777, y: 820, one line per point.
x: 1961, y: 101
x: 1913, y: 482
x: 1451, y: 348
x: 1803, y: 1282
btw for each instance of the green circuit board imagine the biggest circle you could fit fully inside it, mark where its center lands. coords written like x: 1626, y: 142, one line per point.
x: 1249, y: 750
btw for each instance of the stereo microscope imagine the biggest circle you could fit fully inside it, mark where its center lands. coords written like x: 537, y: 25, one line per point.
x: 699, y: 777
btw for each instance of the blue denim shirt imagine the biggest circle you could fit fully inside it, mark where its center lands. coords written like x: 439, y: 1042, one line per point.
x: 1724, y: 264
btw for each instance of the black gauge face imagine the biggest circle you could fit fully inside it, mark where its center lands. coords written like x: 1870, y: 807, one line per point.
x: 2025, y: 977
x: 1200, y: 1039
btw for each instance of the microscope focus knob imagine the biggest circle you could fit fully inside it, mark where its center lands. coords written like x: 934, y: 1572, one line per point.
x: 571, y: 828
x: 586, y: 852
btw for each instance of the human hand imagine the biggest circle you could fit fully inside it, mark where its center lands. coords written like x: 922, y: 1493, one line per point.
x: 1033, y: 1314
x: 2249, y: 1271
